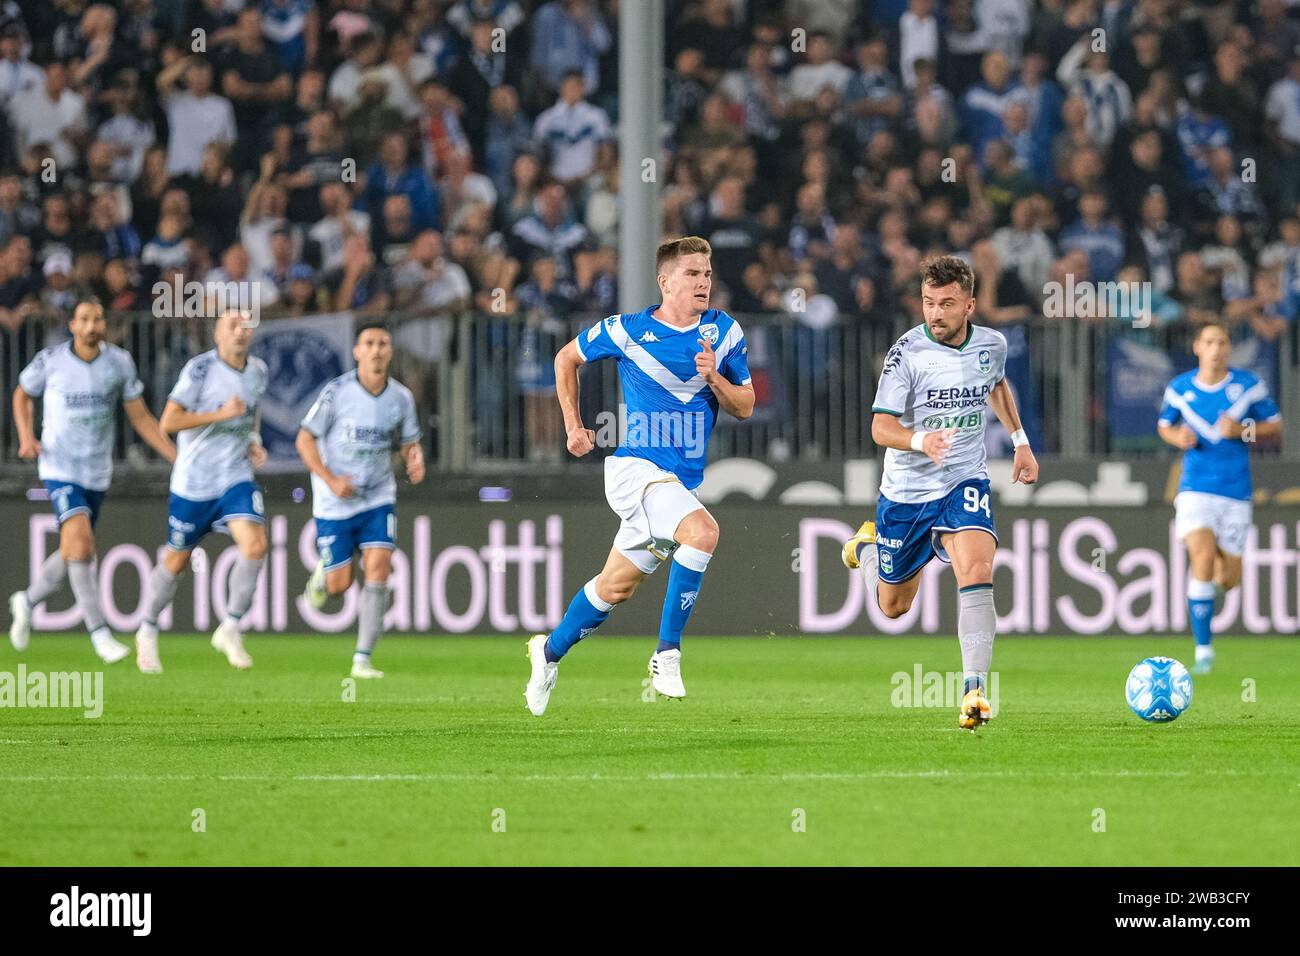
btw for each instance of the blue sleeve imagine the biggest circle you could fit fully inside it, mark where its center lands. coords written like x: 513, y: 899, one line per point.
x: 1264, y: 407
x: 1169, y: 415
x: 595, y: 343
x: 735, y: 368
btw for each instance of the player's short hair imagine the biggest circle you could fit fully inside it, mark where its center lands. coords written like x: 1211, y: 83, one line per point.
x: 372, y: 324
x: 945, y: 270
x: 669, y: 252
x: 1219, y: 324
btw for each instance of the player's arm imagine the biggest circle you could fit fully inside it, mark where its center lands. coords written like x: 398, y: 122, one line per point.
x: 147, y: 427
x: 24, y: 417
x: 413, y: 457
x: 1024, y: 466
x: 888, y: 432
x: 256, y: 451
x: 309, y: 452
x: 567, y: 362
x: 177, y: 418
x: 737, y: 400
x: 1178, y: 435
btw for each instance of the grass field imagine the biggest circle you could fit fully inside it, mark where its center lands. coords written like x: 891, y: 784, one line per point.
x: 422, y: 764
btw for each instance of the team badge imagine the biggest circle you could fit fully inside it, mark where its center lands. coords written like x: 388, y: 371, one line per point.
x: 1234, y: 391
x: 709, y: 333
x: 985, y: 360
x: 886, y: 562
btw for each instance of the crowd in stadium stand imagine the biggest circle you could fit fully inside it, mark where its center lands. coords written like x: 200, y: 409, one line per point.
x: 424, y: 155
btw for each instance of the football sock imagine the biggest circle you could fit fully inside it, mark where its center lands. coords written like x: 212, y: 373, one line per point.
x: 86, y: 590
x: 684, y: 582
x: 869, y: 568
x: 158, y: 594
x: 976, y: 624
x: 370, y: 624
x: 48, y: 579
x: 586, y: 613
x: 1200, y: 609
x: 242, y: 587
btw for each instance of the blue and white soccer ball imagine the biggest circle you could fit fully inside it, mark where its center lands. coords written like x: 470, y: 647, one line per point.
x: 1159, y: 689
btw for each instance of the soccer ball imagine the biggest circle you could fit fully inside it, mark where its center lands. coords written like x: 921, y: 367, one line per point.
x: 1158, y: 689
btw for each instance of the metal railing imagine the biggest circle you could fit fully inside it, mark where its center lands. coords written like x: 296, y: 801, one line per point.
x: 484, y: 384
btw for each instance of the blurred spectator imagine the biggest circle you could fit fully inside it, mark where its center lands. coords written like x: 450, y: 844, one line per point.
x: 359, y: 282
x: 195, y: 117
x: 339, y: 221
x: 506, y: 135
x: 570, y: 131
x: 256, y: 82
x: 293, y: 29
x: 50, y: 113
x: 568, y: 35
x: 392, y: 174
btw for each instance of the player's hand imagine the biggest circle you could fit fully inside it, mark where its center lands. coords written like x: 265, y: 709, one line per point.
x: 1227, y: 427
x: 706, y: 362
x: 415, y: 465
x: 1024, y: 466
x: 257, y: 455
x: 936, y: 445
x: 1185, y: 437
x: 29, y: 449
x: 234, y: 408
x: 341, y: 485
x: 581, y: 441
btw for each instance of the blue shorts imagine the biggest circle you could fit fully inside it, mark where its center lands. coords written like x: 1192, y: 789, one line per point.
x: 907, y: 536
x: 338, y: 538
x: 188, y: 521
x: 68, y: 499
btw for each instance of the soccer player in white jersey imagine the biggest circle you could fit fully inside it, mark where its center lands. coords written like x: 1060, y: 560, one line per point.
x: 938, y: 385
x: 80, y: 384
x: 1213, y: 413
x: 213, y: 412
x: 347, y: 442
x: 679, y: 362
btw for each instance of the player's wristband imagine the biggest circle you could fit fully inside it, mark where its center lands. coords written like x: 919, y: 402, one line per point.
x: 1018, y: 438
x: 918, y: 439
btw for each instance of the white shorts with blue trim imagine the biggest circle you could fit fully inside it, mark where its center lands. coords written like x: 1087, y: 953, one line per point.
x: 651, y: 503
x: 1229, y: 518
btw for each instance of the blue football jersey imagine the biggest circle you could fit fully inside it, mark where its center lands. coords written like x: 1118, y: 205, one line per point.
x: 1217, y: 465
x: 670, y: 410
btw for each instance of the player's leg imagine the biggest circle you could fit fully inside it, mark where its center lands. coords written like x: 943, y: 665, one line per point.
x: 335, y: 545
x: 618, y: 580
x: 250, y: 538
x: 159, y: 592
x: 376, y: 529
x: 1202, y: 555
x: 971, y: 552
x: 697, y: 536
x: 48, y: 579
x: 890, y: 553
x: 77, y: 545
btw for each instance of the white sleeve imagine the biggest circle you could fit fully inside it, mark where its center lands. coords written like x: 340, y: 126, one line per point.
x: 893, y: 391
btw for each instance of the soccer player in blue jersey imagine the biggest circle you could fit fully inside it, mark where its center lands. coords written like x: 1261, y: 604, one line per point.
x: 213, y: 411
x: 80, y: 384
x: 347, y: 442
x: 679, y: 362
x: 1213, y: 414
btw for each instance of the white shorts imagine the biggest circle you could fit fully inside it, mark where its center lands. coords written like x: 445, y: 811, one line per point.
x: 652, y: 503
x: 1228, y: 518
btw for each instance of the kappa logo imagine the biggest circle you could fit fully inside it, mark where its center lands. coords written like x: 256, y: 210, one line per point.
x: 709, y: 332
x: 649, y: 337
x: 688, y: 599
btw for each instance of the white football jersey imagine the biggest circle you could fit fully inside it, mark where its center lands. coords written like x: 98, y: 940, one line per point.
x: 213, y: 459
x: 356, y: 433
x: 931, y: 387
x: 79, y: 402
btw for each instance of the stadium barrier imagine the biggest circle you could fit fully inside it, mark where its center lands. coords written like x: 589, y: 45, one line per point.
x: 484, y: 384
x: 509, y: 568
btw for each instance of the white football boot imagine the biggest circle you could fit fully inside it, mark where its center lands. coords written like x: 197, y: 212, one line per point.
x: 20, y: 625
x: 666, y: 673
x: 545, y: 674
x: 146, y: 650
x: 109, y: 649
x: 315, y: 593
x: 230, y: 642
x: 364, y: 670
x: 1204, y: 659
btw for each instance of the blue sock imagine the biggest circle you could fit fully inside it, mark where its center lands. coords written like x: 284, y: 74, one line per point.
x: 973, y: 683
x: 1200, y: 609
x: 683, y: 590
x: 586, y: 613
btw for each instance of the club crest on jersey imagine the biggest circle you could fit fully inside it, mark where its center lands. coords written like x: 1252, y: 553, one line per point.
x: 1234, y: 392
x: 985, y: 360
x: 709, y: 332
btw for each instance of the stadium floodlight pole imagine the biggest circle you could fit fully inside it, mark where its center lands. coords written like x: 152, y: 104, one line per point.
x: 640, y: 118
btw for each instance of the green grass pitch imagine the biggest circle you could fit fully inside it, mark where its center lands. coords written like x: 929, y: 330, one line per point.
x: 440, y: 762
